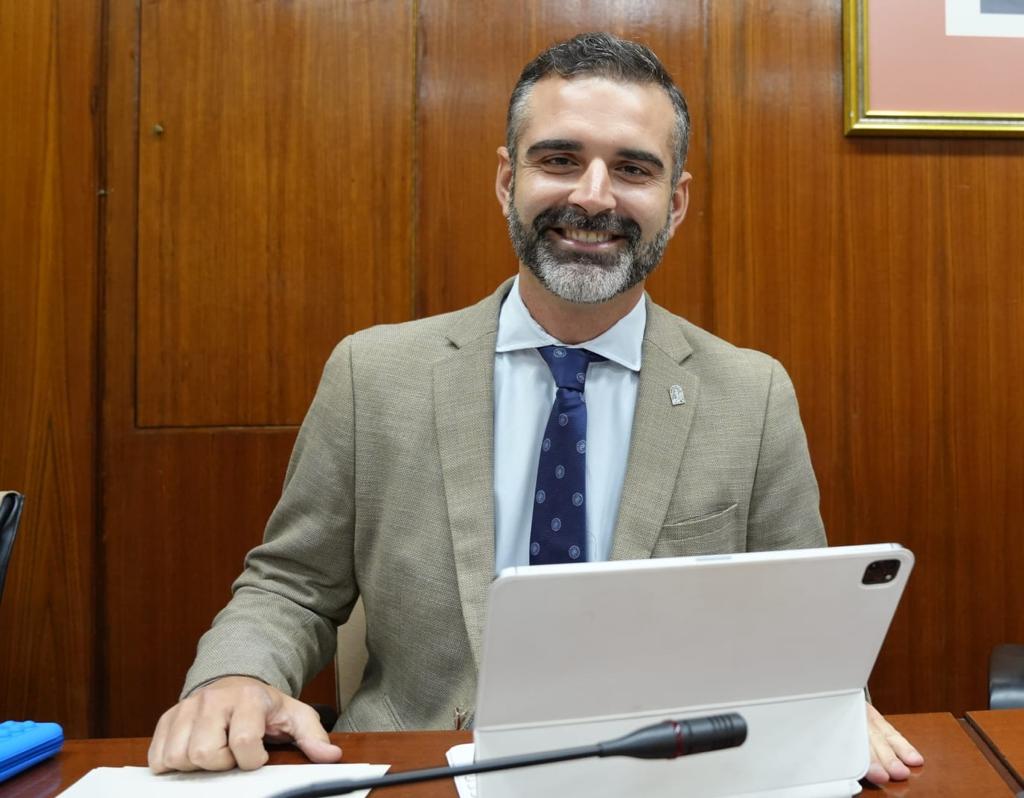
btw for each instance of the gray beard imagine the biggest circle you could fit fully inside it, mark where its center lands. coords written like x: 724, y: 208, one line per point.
x: 585, y: 278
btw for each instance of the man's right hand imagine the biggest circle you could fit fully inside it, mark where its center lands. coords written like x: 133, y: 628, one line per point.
x: 224, y: 724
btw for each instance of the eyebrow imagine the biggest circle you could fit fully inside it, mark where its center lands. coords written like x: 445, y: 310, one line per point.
x: 642, y: 155
x: 566, y: 145
x: 570, y: 145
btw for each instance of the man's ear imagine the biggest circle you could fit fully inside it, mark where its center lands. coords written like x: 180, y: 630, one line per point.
x: 680, y: 202
x: 503, y: 180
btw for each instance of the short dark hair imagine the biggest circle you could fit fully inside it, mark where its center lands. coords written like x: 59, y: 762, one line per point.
x: 601, y: 55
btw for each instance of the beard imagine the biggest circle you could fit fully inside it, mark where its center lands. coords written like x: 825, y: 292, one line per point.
x: 584, y: 277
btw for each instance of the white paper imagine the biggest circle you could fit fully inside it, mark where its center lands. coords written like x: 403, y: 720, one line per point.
x: 262, y: 783
x: 965, y: 18
x: 462, y: 755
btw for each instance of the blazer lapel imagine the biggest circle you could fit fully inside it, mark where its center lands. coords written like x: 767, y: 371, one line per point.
x: 464, y: 416
x: 661, y: 425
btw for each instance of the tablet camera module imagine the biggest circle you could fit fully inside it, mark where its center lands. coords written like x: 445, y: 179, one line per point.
x: 881, y: 572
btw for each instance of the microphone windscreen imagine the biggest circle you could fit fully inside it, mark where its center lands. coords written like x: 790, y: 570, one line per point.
x: 672, y: 738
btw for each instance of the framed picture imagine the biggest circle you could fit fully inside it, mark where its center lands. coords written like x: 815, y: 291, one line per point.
x: 934, y: 67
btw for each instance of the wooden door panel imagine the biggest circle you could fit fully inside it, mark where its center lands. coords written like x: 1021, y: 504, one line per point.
x: 187, y: 509
x: 274, y: 216
x: 274, y: 187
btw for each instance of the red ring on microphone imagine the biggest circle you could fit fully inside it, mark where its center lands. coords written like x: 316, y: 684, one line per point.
x: 677, y: 730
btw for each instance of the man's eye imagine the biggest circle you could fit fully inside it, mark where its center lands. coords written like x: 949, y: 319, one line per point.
x: 558, y: 160
x: 632, y: 170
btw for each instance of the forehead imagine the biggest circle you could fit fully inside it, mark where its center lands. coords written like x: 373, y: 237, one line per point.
x: 599, y: 111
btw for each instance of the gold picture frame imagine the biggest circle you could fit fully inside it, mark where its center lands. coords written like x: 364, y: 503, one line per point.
x: 864, y: 119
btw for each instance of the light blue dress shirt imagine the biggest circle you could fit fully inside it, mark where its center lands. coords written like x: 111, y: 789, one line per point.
x: 524, y: 391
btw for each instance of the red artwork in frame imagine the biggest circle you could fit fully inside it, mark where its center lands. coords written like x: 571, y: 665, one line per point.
x: 934, y: 67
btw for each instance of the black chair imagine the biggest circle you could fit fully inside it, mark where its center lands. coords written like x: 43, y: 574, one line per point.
x: 10, y: 513
x: 1006, y: 677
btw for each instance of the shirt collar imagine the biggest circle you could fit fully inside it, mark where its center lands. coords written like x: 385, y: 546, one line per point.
x: 622, y: 343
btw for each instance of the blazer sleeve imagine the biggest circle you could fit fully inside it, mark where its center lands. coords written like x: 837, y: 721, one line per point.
x: 298, y: 585
x: 784, y: 500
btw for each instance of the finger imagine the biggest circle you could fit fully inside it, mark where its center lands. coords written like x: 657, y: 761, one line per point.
x: 156, y: 745
x: 175, y: 748
x: 903, y: 749
x: 892, y: 750
x: 886, y: 757
x: 895, y: 768
x: 877, y: 774
x: 245, y: 737
x: 309, y: 735
x: 208, y: 742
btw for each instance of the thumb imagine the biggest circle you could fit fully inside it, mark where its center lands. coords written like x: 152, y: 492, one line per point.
x: 311, y: 738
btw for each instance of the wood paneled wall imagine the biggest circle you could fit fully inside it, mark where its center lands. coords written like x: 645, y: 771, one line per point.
x: 272, y: 216
x: 887, y: 275
x: 281, y: 174
x: 266, y: 153
x: 49, y: 79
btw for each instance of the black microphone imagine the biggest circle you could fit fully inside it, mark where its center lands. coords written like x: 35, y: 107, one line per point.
x: 666, y: 740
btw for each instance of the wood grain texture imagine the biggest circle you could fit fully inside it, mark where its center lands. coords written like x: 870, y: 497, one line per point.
x: 402, y: 750
x: 886, y: 275
x: 954, y: 764
x: 1003, y: 731
x: 277, y: 220
x: 274, y: 194
x: 49, y: 67
x: 324, y: 166
x: 470, y: 62
x: 956, y: 767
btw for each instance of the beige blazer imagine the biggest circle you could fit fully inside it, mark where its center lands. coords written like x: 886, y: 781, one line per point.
x: 389, y: 495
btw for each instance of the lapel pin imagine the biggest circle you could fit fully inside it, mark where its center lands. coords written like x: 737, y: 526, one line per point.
x: 676, y: 394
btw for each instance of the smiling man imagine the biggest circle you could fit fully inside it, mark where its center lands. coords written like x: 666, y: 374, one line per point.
x: 591, y: 202
x: 564, y: 418
x: 600, y: 180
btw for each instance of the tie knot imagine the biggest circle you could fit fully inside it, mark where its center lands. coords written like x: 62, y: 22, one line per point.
x: 568, y: 366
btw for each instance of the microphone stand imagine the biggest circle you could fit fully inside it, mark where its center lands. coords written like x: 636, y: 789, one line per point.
x: 666, y: 740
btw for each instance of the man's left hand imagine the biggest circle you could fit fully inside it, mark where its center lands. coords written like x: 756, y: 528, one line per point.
x: 890, y: 752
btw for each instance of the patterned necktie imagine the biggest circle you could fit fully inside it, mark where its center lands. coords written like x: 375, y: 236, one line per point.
x: 559, y: 532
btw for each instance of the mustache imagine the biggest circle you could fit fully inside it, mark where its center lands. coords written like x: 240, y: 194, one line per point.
x: 606, y: 222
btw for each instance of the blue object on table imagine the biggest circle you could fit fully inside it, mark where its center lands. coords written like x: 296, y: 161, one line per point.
x: 25, y: 742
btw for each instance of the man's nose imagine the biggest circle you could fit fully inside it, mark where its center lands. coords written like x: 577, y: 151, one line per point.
x: 593, y: 191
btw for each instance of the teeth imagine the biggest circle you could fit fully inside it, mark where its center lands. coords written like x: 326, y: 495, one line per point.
x: 587, y: 236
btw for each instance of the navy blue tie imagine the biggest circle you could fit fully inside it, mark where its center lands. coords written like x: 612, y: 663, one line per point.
x: 559, y: 532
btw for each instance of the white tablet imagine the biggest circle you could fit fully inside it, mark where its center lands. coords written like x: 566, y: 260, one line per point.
x: 577, y: 654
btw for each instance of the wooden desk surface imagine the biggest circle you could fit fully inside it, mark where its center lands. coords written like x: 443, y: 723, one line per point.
x: 955, y: 765
x: 403, y: 751
x: 1003, y: 731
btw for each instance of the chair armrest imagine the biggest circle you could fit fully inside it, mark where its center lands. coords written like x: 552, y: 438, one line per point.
x: 1006, y: 677
x: 10, y: 512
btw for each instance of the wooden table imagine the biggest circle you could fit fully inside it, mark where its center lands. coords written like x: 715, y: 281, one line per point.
x: 1003, y: 732
x: 403, y: 751
x: 957, y: 762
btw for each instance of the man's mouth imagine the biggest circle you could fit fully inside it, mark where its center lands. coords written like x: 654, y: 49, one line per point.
x: 585, y: 238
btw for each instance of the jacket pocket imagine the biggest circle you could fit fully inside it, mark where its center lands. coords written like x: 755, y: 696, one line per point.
x: 392, y: 712
x: 370, y: 711
x: 715, y: 533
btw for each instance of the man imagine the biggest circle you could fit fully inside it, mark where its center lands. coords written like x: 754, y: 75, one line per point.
x: 440, y: 451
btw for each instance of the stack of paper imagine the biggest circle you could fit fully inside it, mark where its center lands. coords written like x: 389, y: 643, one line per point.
x: 262, y: 783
